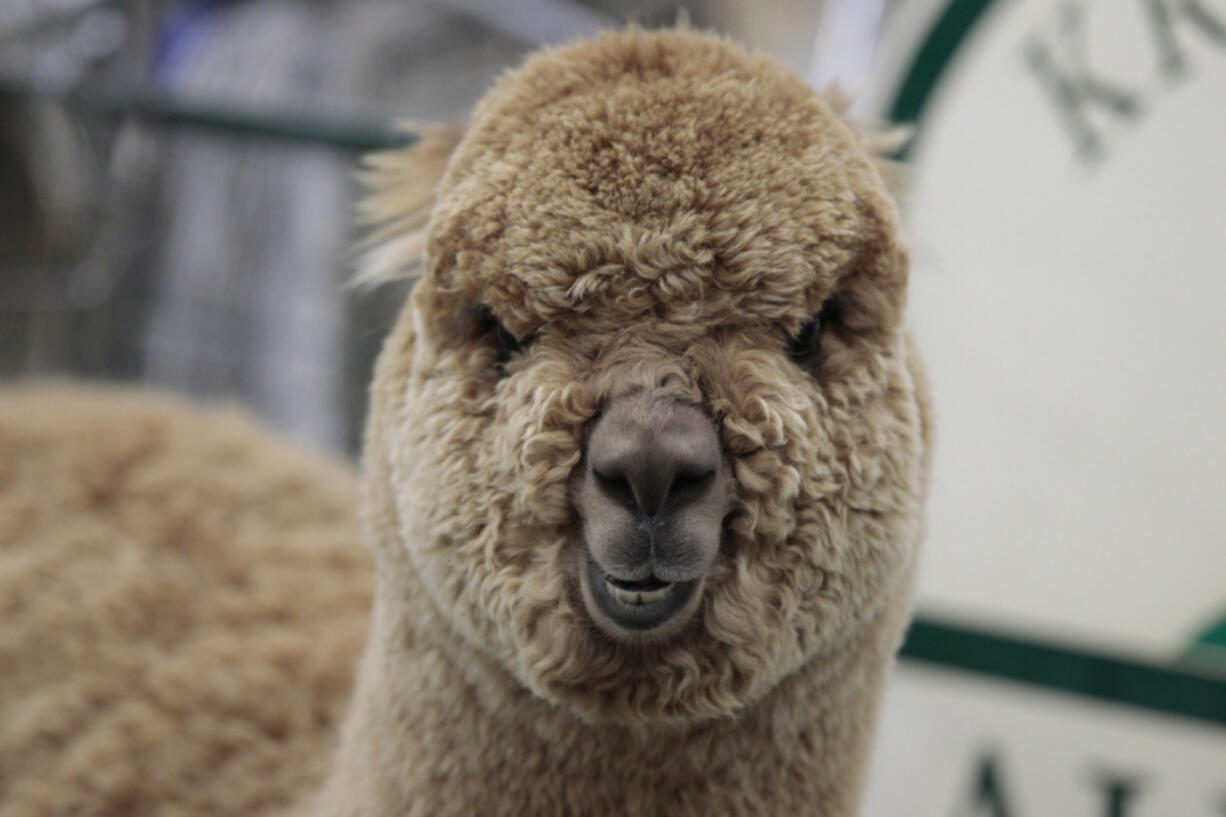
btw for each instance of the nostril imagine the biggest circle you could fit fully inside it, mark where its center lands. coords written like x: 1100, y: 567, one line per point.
x: 690, y: 483
x: 616, y: 487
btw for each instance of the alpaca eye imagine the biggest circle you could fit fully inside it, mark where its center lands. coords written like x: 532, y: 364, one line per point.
x: 807, y: 342
x: 807, y: 345
x: 506, y: 344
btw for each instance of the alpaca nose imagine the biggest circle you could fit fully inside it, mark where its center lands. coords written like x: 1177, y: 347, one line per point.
x: 655, y: 489
x: 646, y: 465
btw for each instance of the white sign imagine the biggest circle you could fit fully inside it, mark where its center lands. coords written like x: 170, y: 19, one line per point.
x: 1068, y: 216
x: 953, y: 745
x: 1068, y: 212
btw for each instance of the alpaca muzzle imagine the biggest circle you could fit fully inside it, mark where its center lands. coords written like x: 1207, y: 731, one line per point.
x: 653, y: 498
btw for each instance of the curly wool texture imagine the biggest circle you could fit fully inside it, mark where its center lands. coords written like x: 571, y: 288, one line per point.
x: 182, y: 601
x: 657, y: 211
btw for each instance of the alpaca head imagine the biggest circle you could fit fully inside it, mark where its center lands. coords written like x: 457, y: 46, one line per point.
x: 648, y: 425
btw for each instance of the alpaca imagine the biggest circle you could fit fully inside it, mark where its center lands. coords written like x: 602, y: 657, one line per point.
x: 647, y: 450
x: 642, y: 490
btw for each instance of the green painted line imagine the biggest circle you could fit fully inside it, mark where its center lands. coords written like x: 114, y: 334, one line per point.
x: 1197, y: 693
x: 939, y: 47
x: 351, y: 134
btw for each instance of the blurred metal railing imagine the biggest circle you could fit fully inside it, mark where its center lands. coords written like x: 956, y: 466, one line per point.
x: 356, y: 134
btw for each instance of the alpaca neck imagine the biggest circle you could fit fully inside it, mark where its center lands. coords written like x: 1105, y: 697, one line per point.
x: 437, y: 728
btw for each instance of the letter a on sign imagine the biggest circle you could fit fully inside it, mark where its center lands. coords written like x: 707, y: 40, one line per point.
x: 1118, y: 794
x: 987, y: 795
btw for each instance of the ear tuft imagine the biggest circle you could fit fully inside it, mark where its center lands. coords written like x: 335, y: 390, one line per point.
x: 400, y: 191
x: 882, y: 140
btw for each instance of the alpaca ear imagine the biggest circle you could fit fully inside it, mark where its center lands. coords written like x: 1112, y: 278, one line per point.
x: 883, y: 141
x: 400, y: 188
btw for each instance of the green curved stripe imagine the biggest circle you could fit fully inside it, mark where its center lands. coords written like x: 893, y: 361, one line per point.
x: 939, y: 47
x: 1215, y: 636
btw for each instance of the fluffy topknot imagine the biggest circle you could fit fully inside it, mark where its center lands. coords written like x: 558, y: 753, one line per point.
x: 600, y: 172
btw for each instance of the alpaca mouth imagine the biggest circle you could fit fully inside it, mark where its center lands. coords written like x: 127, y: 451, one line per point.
x: 638, y: 605
x: 640, y: 593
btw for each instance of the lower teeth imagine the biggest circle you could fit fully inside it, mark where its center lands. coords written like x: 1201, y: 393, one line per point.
x: 638, y: 598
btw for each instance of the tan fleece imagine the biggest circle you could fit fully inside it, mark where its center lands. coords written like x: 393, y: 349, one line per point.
x: 182, y: 601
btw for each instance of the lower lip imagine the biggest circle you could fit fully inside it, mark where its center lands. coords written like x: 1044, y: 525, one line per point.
x: 637, y: 610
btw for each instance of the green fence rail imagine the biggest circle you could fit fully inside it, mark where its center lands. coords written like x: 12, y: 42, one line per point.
x: 355, y: 134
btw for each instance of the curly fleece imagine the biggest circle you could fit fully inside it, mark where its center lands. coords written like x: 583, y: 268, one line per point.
x: 656, y: 211
x: 182, y: 601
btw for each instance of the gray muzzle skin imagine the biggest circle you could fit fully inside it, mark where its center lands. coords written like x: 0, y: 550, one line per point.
x: 654, y: 495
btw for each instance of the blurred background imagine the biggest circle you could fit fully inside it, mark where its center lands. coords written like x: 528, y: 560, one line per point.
x: 178, y: 176
x: 176, y: 200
